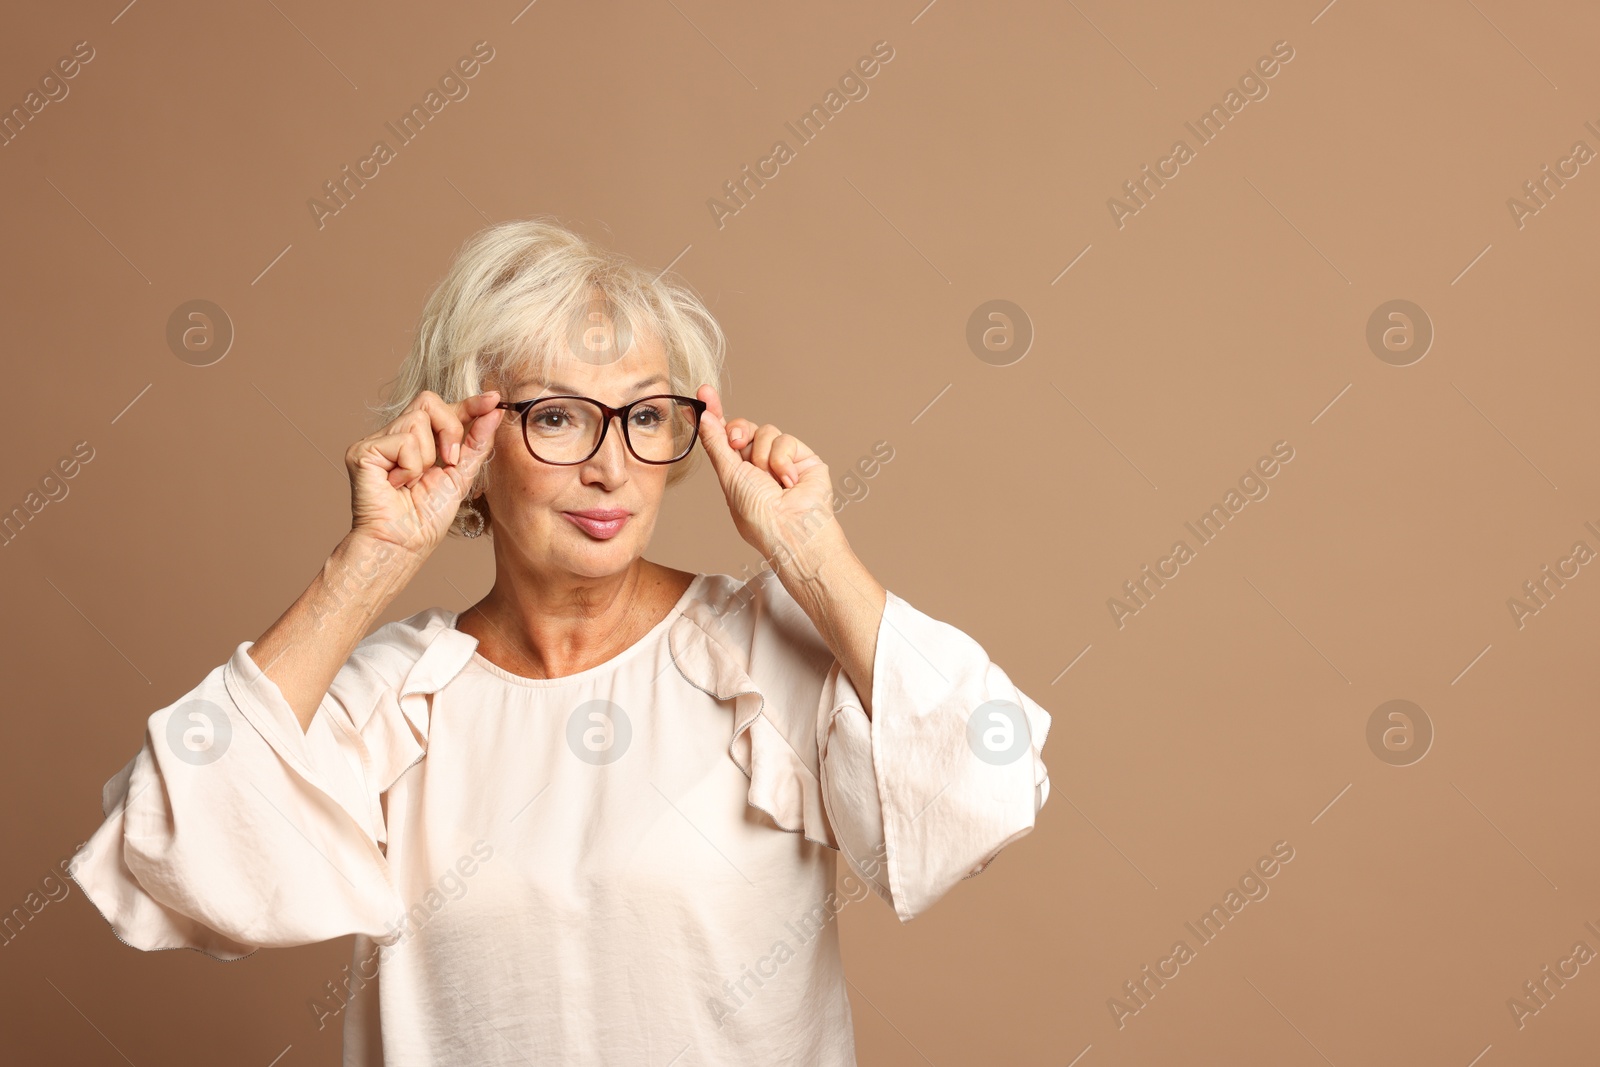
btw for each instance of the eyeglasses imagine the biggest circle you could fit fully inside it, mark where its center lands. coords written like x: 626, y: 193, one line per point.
x: 566, y: 430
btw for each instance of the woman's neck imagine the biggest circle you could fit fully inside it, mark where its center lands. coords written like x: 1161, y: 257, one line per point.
x: 550, y: 626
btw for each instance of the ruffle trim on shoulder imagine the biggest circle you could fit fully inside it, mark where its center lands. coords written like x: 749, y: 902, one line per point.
x: 437, y: 652
x: 383, y: 725
x: 445, y: 650
x: 782, y: 784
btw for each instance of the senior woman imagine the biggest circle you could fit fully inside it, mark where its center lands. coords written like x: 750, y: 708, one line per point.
x: 595, y: 817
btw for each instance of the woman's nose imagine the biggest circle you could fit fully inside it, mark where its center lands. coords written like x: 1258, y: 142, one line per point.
x: 613, y: 447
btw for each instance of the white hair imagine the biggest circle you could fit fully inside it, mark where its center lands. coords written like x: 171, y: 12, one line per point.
x: 518, y: 289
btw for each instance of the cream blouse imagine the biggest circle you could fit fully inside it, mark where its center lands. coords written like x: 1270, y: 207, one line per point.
x: 581, y: 870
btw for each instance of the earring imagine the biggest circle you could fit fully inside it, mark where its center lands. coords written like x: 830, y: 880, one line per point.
x: 474, y: 524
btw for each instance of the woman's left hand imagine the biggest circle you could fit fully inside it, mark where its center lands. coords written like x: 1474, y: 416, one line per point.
x: 778, y: 490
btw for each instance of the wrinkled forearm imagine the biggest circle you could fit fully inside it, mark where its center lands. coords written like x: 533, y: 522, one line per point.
x: 840, y: 596
x: 303, y: 650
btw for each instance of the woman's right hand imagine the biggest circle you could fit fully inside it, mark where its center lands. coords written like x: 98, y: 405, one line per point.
x: 398, y: 495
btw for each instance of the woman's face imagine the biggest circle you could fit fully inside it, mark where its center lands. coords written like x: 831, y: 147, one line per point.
x: 537, y: 507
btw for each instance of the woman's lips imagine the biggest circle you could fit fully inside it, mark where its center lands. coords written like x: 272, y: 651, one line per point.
x: 599, y: 523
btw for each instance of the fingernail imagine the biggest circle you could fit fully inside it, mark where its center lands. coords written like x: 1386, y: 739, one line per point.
x: 454, y: 453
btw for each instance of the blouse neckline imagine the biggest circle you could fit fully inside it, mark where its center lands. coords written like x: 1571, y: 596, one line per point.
x: 650, y: 637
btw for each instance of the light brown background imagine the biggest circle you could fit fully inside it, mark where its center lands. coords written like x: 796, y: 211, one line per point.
x: 1225, y: 316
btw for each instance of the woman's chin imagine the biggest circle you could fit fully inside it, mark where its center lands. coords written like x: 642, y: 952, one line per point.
x: 593, y: 558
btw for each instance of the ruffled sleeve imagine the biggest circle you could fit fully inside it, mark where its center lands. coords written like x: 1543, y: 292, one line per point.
x: 946, y: 772
x: 232, y: 829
